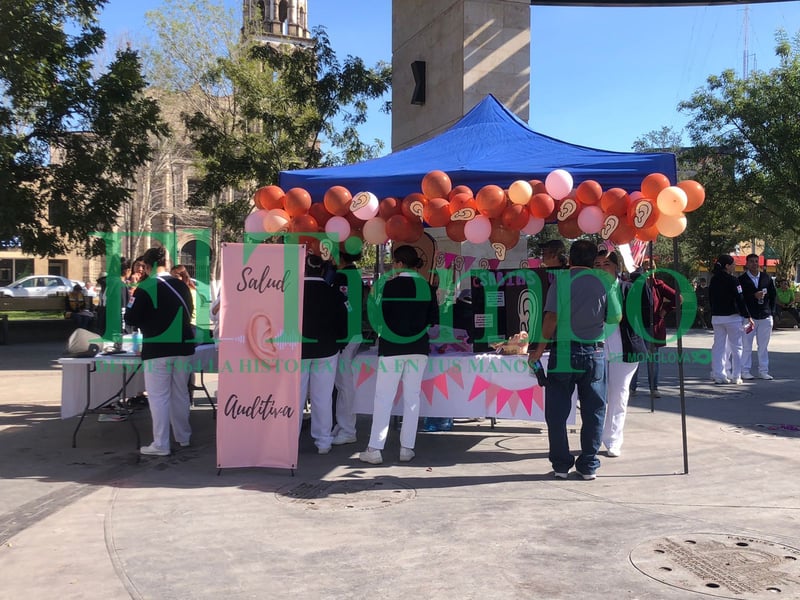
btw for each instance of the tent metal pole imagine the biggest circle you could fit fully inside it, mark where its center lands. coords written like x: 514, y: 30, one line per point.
x: 652, y: 356
x: 681, y: 380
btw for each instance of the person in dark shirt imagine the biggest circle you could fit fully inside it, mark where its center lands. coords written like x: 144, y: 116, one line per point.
x: 161, y: 308
x: 727, y: 311
x: 324, y: 324
x: 759, y: 295
x: 348, y: 282
x: 407, y: 305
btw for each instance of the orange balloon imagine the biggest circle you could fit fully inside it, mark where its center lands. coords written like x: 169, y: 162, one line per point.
x: 413, y: 205
x: 297, y: 202
x: 653, y: 184
x: 643, y: 213
x: 589, y: 192
x: 388, y: 208
x: 538, y: 187
x: 623, y: 234
x: 415, y: 231
x: 398, y: 228
x: 695, y: 194
x: 515, y: 216
x: 455, y: 231
x: 648, y: 234
x: 269, y: 197
x: 304, y: 224
x: 437, y: 212
x: 569, y: 229
x: 320, y: 213
x: 541, y: 205
x: 462, y: 200
x: 503, y: 235
x: 460, y: 189
x: 436, y: 184
x: 491, y: 201
x: 615, y: 202
x: 337, y: 200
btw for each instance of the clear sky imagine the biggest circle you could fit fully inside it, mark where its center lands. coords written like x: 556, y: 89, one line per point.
x: 600, y: 77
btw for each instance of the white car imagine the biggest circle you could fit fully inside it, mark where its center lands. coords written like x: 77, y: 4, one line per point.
x: 37, y: 285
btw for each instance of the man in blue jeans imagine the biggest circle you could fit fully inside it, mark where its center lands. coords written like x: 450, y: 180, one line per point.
x: 575, y: 312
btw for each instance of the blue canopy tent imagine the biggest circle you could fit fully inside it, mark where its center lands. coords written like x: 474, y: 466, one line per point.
x: 489, y: 145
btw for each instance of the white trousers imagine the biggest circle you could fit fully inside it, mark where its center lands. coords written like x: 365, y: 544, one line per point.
x: 761, y: 333
x: 618, y: 382
x: 727, y: 334
x: 346, y: 390
x: 166, y: 380
x: 408, y: 368
x: 317, y: 378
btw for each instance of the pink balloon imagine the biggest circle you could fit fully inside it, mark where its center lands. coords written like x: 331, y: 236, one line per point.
x: 254, y: 223
x: 534, y: 226
x: 478, y: 229
x: 337, y: 228
x: 367, y: 205
x: 590, y: 219
x: 558, y: 184
x: 375, y: 231
x: 275, y: 220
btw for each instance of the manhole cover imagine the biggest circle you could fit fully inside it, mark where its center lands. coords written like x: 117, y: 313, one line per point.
x: 772, y: 430
x: 346, y: 494
x: 725, y: 566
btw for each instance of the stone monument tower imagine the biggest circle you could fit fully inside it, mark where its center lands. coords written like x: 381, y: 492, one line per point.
x: 277, y: 21
x: 447, y: 55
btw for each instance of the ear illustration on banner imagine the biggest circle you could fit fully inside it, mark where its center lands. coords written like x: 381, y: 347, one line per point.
x: 326, y: 249
x: 260, y: 335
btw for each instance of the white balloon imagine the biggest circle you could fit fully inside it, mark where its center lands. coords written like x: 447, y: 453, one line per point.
x: 365, y: 205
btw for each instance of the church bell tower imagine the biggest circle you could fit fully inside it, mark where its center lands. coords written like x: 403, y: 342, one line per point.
x: 277, y: 21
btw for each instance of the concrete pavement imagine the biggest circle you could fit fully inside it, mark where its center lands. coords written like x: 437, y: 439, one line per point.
x: 477, y: 514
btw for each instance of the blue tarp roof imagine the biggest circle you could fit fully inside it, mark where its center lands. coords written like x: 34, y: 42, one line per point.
x: 489, y: 145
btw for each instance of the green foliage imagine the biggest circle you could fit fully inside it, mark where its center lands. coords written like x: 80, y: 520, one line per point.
x: 69, y: 142
x: 750, y: 127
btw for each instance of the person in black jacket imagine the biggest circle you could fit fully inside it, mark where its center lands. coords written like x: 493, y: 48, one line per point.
x: 408, y: 307
x: 727, y: 311
x: 348, y: 282
x: 324, y: 325
x: 161, y: 308
x: 759, y: 294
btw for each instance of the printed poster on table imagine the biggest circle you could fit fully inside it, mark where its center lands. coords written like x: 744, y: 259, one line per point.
x: 258, y: 418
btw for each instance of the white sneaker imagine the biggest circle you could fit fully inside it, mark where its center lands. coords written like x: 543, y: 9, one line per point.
x: 342, y: 438
x: 766, y: 376
x: 720, y: 380
x: 738, y: 381
x: 612, y: 453
x: 153, y: 450
x: 747, y: 376
x: 373, y: 457
x: 184, y: 444
x: 323, y: 449
x: 406, y: 454
x: 559, y: 475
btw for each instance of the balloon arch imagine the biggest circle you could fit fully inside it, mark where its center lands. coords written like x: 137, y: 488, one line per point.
x: 491, y: 214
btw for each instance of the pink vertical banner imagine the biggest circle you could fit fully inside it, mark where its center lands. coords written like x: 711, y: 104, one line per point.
x: 258, y: 419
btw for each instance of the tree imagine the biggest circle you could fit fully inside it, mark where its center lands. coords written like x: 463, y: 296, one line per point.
x: 750, y: 127
x: 297, y: 108
x: 70, y: 141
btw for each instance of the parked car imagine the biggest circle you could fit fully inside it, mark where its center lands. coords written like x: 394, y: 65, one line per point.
x: 37, y: 285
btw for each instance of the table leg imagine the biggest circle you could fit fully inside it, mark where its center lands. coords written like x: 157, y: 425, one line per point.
x: 90, y: 368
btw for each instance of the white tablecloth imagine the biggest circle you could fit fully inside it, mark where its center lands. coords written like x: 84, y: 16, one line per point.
x: 463, y: 385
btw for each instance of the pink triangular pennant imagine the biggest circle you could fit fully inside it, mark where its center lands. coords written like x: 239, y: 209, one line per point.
x: 440, y: 381
x: 468, y: 260
x: 427, y: 389
x: 494, y: 263
x: 526, y: 397
x: 513, y: 402
x: 502, y: 398
x: 399, y: 394
x: 478, y: 386
x: 455, y: 374
x: 491, y: 394
x: 449, y: 257
x: 538, y: 397
x: 364, y: 373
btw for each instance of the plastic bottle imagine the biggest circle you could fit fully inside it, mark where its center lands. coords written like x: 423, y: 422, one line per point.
x: 137, y: 341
